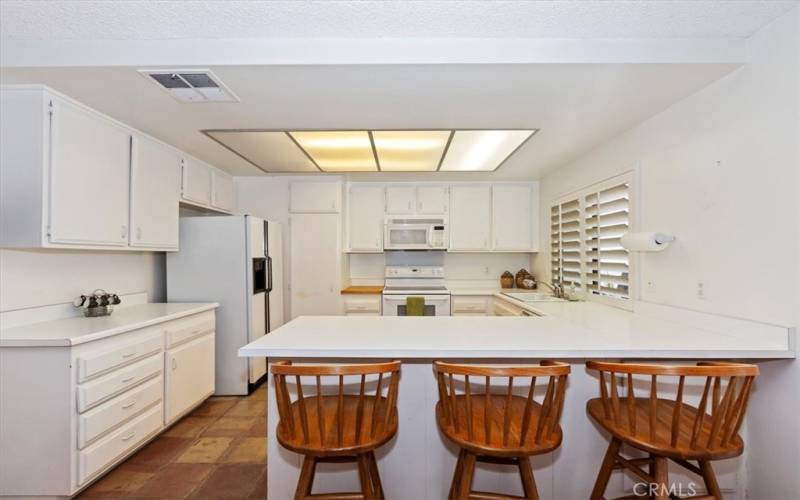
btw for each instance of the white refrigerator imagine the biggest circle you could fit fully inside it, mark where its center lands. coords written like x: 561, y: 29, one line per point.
x: 235, y: 261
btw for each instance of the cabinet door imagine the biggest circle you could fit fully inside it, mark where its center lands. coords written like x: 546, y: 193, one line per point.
x: 196, y: 182
x: 432, y: 200
x: 89, y: 171
x: 155, y: 192
x: 401, y: 200
x: 365, y: 218
x: 190, y: 376
x: 470, y: 218
x: 314, y: 197
x: 512, y: 217
x: 315, y: 268
x: 222, y: 196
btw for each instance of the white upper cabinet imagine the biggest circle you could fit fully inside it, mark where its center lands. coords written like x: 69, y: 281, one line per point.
x: 514, y: 210
x: 365, y: 205
x: 315, y: 196
x: 433, y: 200
x: 470, y: 218
x: 401, y: 200
x: 196, y: 182
x: 155, y: 193
x: 222, y: 196
x: 89, y: 171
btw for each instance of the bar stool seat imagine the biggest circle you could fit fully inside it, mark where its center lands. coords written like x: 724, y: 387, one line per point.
x: 682, y: 448
x: 340, y: 427
x: 504, y: 428
x: 670, y: 429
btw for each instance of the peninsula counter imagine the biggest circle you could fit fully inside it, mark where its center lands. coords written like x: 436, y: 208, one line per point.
x: 418, y: 464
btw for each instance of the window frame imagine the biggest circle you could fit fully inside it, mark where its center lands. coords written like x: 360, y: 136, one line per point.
x: 631, y: 179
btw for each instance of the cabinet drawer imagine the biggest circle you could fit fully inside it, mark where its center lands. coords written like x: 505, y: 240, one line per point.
x: 184, y: 329
x: 122, y: 408
x: 362, y: 305
x: 470, y: 305
x: 104, y: 388
x: 93, y: 364
x: 98, y: 456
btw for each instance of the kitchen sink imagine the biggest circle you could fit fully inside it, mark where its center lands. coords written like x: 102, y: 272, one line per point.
x: 532, y: 297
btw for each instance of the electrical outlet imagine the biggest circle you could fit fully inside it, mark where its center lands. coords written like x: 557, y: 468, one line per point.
x: 700, y: 292
x: 486, y: 270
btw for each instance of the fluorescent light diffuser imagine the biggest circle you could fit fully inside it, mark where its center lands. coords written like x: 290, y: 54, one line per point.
x: 482, y: 150
x: 410, y: 150
x: 338, y: 151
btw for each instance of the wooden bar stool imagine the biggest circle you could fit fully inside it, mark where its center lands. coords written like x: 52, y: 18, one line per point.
x: 669, y: 428
x: 337, y: 428
x: 499, y: 428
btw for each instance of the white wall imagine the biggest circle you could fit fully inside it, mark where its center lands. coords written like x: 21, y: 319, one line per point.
x: 34, y: 278
x: 721, y: 170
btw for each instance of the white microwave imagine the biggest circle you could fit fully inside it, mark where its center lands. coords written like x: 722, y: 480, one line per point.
x: 415, y: 233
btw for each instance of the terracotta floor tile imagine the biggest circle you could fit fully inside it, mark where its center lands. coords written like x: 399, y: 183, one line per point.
x: 230, y: 427
x: 259, y: 428
x: 162, y: 450
x: 248, y: 450
x: 174, y: 481
x: 190, y: 426
x: 231, y: 481
x: 214, y: 407
x: 117, y: 483
x: 260, y: 490
x: 205, y: 450
x: 259, y: 394
x: 248, y: 408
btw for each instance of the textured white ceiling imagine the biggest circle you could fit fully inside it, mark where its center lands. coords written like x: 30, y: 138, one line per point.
x: 188, y: 19
x: 576, y: 106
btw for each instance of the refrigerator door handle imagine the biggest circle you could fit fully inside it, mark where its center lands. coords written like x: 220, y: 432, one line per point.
x: 269, y: 274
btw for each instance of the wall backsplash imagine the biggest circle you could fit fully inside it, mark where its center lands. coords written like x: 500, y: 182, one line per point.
x: 35, y: 278
x: 368, y: 268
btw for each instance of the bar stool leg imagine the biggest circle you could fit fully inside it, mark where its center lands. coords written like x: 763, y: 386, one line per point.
x: 467, y: 473
x: 528, y: 483
x: 606, y: 469
x: 456, y: 476
x: 712, y: 487
x: 306, y: 480
x: 377, y: 487
x: 661, y: 478
x: 364, y: 476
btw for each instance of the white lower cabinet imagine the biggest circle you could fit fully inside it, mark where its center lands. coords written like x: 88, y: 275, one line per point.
x: 471, y: 305
x: 73, y: 412
x: 188, y: 379
x: 362, y: 305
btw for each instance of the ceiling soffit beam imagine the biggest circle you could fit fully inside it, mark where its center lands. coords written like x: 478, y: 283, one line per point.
x: 337, y: 51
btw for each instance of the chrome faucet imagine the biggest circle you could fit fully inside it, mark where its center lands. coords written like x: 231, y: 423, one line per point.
x: 558, y: 289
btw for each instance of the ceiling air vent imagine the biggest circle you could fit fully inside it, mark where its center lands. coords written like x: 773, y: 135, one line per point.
x: 190, y: 85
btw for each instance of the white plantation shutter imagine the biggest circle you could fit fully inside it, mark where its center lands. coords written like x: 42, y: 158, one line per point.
x: 606, y: 262
x: 565, y: 237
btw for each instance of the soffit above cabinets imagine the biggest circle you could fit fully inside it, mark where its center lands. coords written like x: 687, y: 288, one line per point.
x: 338, y: 151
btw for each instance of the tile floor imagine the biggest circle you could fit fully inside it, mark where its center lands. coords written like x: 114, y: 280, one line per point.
x: 217, y: 451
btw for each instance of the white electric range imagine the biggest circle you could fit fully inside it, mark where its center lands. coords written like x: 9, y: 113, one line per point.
x: 415, y: 281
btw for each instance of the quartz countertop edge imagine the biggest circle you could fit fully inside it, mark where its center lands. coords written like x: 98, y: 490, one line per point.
x: 79, y: 330
x: 589, y: 331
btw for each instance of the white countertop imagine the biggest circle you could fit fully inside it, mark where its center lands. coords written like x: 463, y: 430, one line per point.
x: 570, y: 330
x: 74, y: 331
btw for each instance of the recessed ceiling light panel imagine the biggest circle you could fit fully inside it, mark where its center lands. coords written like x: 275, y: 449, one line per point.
x: 338, y: 150
x: 410, y: 150
x: 482, y: 150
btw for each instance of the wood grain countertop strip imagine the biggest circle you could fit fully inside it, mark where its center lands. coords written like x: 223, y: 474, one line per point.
x: 363, y: 290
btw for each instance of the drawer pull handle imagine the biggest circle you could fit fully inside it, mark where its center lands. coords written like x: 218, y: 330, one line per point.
x: 126, y: 380
x: 129, y: 436
x: 128, y: 355
x: 125, y: 407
